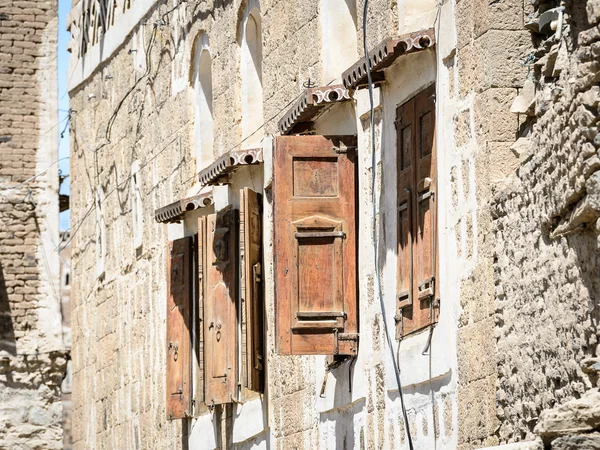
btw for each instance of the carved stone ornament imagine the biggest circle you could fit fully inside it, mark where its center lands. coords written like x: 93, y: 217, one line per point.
x: 217, y: 173
x: 311, y: 104
x: 385, y: 53
x: 174, y: 212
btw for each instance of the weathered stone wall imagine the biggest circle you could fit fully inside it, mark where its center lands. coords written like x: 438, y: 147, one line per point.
x: 32, y: 358
x: 138, y: 105
x: 546, y: 255
x: 491, y: 43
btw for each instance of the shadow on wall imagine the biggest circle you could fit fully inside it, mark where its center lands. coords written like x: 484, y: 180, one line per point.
x: 7, y: 332
x: 345, y: 420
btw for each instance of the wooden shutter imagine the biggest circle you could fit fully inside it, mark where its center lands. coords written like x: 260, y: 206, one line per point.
x: 200, y: 397
x: 417, y: 214
x: 179, y: 296
x: 252, y: 292
x: 314, y: 198
x: 220, y: 312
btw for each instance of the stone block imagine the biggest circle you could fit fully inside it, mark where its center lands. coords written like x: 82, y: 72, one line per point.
x: 493, y: 119
x: 530, y: 445
x: 574, y: 417
x: 464, y: 22
x: 476, y: 410
x: 593, y: 11
x: 578, y: 442
x: 502, y: 159
x: 475, y: 345
x: 502, y: 52
x: 470, y: 69
x: 499, y: 15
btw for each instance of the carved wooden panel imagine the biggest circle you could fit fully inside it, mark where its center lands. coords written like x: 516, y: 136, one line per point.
x: 220, y: 307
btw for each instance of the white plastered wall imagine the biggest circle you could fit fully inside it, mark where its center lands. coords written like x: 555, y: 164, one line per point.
x: 82, y: 68
x: 430, y: 380
x: 250, y: 422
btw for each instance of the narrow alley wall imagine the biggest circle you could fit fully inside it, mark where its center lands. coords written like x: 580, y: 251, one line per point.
x: 32, y: 356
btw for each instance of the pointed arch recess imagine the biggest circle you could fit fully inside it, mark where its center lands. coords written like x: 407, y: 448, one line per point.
x: 251, y: 71
x: 203, y: 102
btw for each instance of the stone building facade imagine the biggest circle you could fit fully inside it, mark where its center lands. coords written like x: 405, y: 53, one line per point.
x: 32, y: 353
x: 181, y: 105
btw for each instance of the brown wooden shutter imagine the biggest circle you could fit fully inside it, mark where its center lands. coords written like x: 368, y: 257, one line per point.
x: 200, y: 397
x: 314, y: 198
x: 406, y: 206
x: 220, y: 312
x: 179, y: 296
x: 417, y: 214
x: 252, y: 292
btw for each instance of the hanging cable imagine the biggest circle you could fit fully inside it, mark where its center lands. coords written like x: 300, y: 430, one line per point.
x: 375, y: 243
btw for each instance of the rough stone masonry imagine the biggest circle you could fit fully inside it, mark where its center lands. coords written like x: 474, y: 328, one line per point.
x: 32, y: 356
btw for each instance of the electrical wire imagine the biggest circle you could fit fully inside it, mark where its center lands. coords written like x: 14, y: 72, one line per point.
x: 233, y: 147
x: 122, y: 101
x: 39, y: 174
x: 375, y: 241
x: 17, y: 186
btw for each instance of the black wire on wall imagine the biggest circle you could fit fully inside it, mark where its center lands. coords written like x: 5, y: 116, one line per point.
x: 375, y: 241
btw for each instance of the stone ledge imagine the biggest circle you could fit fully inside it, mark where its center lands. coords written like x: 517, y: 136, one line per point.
x: 530, y: 445
x: 577, y: 416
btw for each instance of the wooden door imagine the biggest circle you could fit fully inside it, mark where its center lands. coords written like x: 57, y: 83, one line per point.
x: 314, y: 200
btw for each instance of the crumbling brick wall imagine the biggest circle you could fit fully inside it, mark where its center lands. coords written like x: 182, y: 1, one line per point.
x: 32, y: 359
x: 546, y: 254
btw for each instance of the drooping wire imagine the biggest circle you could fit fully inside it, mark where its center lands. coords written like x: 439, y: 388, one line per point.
x: 283, y: 108
x: 113, y: 117
x: 39, y: 174
x: 375, y: 241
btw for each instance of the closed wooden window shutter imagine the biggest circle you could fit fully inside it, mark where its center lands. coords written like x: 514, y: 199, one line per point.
x: 220, y: 307
x: 201, y: 283
x: 252, y: 290
x: 179, y: 297
x: 417, y: 276
x: 314, y: 198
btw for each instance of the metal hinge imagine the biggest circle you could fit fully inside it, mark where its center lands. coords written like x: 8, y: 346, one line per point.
x: 425, y: 196
x: 426, y: 289
x: 344, y: 337
x: 344, y: 148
